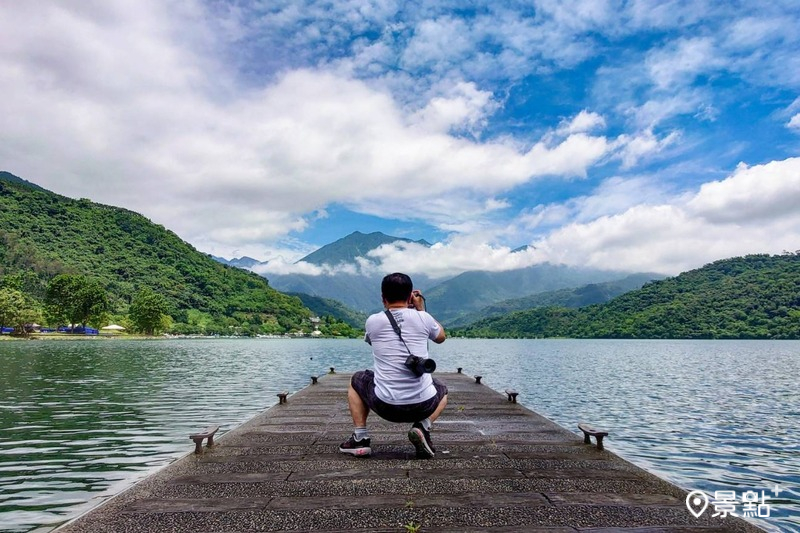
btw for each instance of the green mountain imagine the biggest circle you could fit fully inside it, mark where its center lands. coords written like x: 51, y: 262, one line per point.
x: 43, y: 234
x: 357, y: 291
x: 756, y: 296
x: 333, y: 308
x: 594, y: 293
x: 11, y: 178
x: 354, y: 289
x: 455, y: 299
x: 347, y: 249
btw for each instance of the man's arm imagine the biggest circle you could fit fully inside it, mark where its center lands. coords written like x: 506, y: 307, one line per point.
x: 441, y: 336
x: 417, y: 300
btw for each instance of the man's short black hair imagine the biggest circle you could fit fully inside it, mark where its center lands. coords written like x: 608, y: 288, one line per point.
x: 396, y: 287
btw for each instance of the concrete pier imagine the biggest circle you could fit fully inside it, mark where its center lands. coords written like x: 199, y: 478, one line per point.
x: 498, y: 467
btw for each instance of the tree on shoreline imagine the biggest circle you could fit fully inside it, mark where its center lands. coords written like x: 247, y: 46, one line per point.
x: 75, y: 299
x: 148, y: 312
x: 17, y: 310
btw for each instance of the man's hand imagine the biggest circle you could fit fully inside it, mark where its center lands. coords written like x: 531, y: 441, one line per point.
x: 417, y: 300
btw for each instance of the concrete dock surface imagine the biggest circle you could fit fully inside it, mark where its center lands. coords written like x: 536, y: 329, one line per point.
x: 498, y: 467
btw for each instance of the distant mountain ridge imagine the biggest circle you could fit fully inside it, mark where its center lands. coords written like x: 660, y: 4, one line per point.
x: 594, y: 293
x: 240, y: 262
x: 357, y: 244
x: 750, y: 297
x: 450, y: 300
x: 456, y: 298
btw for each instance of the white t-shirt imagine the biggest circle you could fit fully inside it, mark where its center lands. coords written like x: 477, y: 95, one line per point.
x: 394, y: 383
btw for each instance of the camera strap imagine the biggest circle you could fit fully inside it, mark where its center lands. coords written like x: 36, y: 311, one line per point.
x: 396, y: 328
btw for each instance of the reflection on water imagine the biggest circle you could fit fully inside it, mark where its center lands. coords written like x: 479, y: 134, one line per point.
x: 81, y: 420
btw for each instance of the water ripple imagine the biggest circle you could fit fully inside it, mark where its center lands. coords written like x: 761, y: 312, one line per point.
x: 81, y: 421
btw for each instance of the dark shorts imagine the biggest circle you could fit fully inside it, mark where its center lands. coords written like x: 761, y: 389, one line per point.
x: 363, y: 382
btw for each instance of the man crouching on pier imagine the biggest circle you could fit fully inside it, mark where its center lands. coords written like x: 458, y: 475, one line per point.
x: 393, y: 390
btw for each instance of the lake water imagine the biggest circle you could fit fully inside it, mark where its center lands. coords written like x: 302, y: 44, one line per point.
x: 81, y: 420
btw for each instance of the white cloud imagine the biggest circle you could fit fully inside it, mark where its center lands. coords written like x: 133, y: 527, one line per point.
x: 583, y: 122
x: 543, y: 217
x: 463, y: 253
x: 645, y: 143
x: 578, y: 15
x: 665, y: 14
x: 281, y: 265
x: 612, y: 196
x: 456, y: 211
x: 617, y: 195
x: 437, y: 43
x: 659, y: 109
x: 752, y: 32
x: 752, y: 195
x: 633, y: 225
x: 752, y: 211
x: 681, y: 61
x: 126, y: 114
x: 570, y: 158
x: 235, y: 127
x: 463, y: 108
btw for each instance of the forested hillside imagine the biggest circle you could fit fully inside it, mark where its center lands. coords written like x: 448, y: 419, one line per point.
x: 332, y: 308
x: 756, y: 296
x: 43, y: 234
x: 469, y: 292
x: 593, y: 293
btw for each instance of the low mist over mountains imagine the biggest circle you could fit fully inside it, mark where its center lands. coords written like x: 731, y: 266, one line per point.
x: 347, y: 284
x: 453, y: 300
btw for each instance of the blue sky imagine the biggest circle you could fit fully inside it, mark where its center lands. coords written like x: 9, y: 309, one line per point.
x: 636, y: 135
